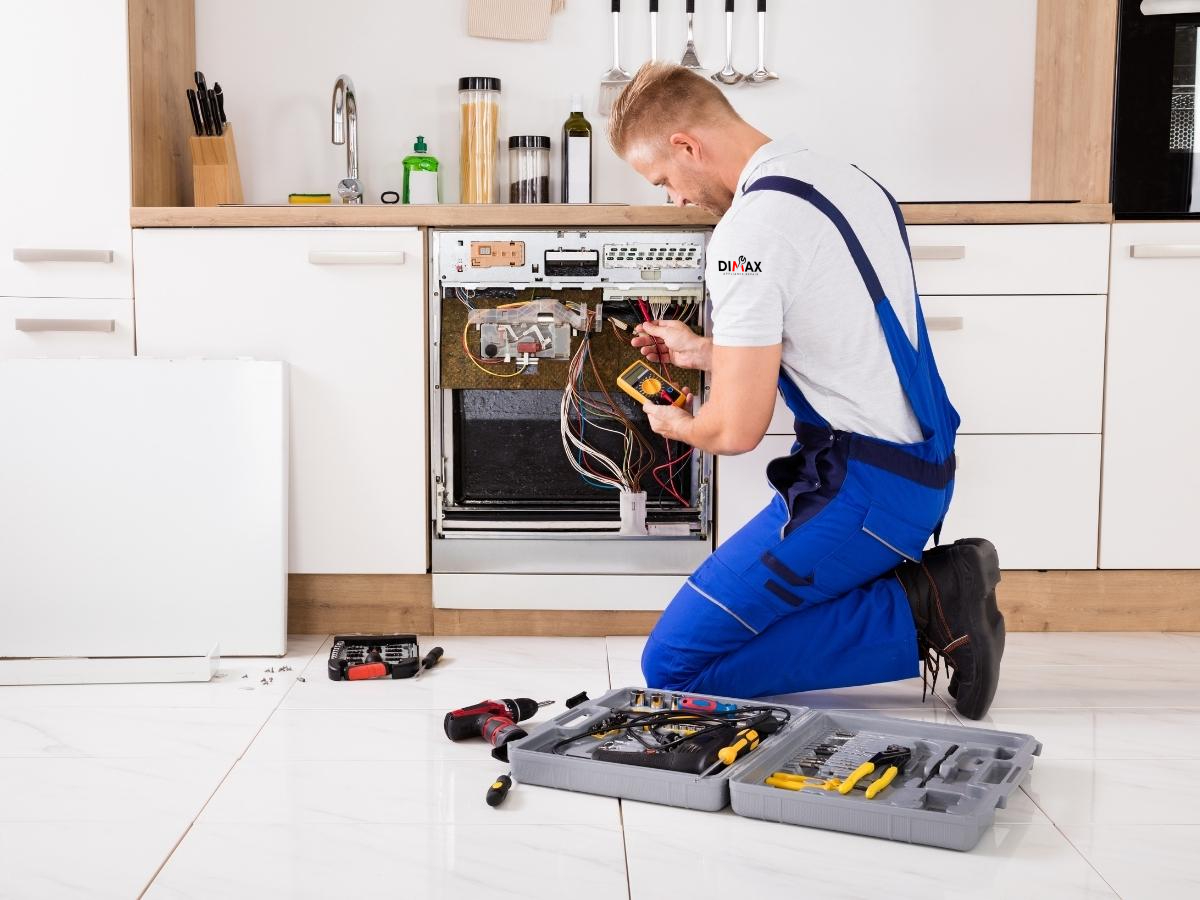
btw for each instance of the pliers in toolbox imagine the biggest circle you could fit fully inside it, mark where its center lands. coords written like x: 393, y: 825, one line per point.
x: 792, y: 782
x: 895, y: 758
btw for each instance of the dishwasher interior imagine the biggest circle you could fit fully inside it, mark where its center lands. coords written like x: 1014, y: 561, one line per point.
x: 540, y: 463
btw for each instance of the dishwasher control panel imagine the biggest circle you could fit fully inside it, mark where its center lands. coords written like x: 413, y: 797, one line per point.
x: 568, y: 258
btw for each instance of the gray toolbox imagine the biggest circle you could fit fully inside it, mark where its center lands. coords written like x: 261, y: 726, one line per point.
x: 535, y: 761
x: 953, y: 780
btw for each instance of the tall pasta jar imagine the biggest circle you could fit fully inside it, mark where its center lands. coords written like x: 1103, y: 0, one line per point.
x: 479, y: 146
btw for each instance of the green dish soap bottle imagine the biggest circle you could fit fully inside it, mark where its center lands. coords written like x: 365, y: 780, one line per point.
x: 421, y: 176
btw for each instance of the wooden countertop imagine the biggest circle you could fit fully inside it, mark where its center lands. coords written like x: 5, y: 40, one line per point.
x: 549, y: 215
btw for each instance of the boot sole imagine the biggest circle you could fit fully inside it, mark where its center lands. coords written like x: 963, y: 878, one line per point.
x: 986, y: 627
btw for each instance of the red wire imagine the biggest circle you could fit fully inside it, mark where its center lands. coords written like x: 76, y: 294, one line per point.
x: 670, y: 464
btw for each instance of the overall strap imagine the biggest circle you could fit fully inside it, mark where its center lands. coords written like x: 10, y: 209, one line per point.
x: 810, y: 194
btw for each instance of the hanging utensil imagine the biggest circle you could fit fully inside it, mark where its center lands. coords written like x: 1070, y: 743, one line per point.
x: 690, y: 59
x: 653, y: 30
x: 728, y: 75
x: 615, y: 79
x: 762, y: 74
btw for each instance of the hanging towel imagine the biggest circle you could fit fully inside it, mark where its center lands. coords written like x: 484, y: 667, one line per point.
x: 511, y: 20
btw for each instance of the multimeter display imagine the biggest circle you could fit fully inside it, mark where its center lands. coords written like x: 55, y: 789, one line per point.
x: 643, y: 384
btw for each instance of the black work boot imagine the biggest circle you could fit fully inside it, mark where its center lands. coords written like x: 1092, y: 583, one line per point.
x: 952, y: 595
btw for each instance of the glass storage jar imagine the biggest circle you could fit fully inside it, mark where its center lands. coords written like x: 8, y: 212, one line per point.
x: 479, y: 147
x: 529, y: 168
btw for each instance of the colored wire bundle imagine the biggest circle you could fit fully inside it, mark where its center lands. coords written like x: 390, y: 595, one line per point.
x: 583, y: 409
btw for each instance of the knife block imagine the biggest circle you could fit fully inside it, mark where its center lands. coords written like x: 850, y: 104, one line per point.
x: 215, y: 175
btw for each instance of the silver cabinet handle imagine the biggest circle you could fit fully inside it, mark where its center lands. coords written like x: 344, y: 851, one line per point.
x: 101, y: 325
x: 356, y: 257
x: 44, y: 254
x: 1164, y: 251
x: 944, y: 323
x: 936, y: 251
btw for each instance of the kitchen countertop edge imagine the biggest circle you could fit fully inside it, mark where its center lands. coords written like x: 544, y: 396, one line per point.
x: 543, y: 215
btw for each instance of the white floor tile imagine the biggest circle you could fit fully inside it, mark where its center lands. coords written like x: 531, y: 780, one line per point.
x: 366, y: 734
x: 1104, y: 733
x: 527, y: 653
x: 1142, y: 862
x: 440, y: 861
x: 1096, y: 648
x: 1096, y: 687
x: 443, y: 689
x: 81, y: 860
x: 732, y: 856
x: 1117, y: 791
x: 389, y: 792
x: 172, y: 733
x: 107, y: 790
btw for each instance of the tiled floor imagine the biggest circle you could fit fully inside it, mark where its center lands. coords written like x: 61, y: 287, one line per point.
x: 313, y: 789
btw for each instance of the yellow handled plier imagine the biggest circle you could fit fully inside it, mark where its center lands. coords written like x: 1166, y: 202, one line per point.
x: 895, y: 758
x: 792, y: 782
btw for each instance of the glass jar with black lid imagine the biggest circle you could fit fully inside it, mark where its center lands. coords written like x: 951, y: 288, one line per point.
x: 529, y: 168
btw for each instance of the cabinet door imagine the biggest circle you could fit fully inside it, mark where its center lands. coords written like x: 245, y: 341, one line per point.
x: 345, y: 308
x: 1021, y: 365
x: 742, y: 487
x: 64, y: 159
x: 1035, y: 496
x: 1152, y: 426
x: 1010, y: 259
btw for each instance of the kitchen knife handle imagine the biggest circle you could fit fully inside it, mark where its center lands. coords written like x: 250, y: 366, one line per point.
x: 728, y: 6
x: 691, y: 6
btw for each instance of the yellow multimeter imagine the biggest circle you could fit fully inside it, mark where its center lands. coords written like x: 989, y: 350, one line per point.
x: 643, y: 384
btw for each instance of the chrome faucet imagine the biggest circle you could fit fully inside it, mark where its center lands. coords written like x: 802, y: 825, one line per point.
x: 345, y: 131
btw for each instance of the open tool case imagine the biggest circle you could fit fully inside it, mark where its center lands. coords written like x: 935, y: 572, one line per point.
x: 946, y: 795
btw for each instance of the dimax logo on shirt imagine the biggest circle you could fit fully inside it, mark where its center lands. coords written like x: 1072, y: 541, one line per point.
x: 741, y: 264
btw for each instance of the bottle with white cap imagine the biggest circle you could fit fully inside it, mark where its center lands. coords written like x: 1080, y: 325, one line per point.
x: 577, y: 155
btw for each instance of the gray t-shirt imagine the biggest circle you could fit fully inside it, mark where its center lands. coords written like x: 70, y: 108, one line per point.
x: 800, y: 287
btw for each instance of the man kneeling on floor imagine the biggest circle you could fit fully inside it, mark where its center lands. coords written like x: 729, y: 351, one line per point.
x: 812, y: 293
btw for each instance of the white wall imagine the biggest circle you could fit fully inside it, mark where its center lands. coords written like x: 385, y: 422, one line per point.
x: 932, y: 97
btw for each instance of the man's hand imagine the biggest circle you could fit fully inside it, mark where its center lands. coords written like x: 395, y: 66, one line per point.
x: 672, y: 342
x: 672, y: 422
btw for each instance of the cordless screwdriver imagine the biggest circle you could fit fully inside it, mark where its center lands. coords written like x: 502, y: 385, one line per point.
x: 493, y: 720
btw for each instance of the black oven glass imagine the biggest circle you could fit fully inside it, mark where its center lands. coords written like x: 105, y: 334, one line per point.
x: 1156, y: 166
x: 508, y: 454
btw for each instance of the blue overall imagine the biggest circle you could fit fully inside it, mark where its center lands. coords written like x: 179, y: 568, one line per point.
x: 803, y: 597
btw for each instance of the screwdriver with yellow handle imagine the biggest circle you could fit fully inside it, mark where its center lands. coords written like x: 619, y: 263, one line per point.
x: 895, y: 758
x: 747, y: 739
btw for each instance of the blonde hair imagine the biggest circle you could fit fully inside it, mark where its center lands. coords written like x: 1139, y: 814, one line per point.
x: 664, y: 98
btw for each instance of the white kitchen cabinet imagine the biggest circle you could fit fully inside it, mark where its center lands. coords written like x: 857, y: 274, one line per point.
x: 1151, y: 488
x: 1014, y: 365
x: 64, y: 327
x: 345, y: 308
x: 1035, y: 496
x: 65, y: 158
x: 1010, y: 259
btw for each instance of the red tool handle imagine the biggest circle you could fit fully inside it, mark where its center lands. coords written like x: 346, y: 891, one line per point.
x: 369, y: 670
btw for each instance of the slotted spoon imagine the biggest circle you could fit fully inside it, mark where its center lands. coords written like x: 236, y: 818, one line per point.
x: 614, y: 80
